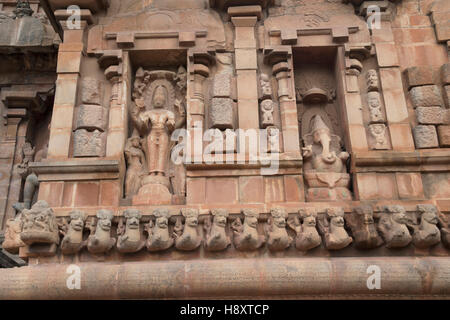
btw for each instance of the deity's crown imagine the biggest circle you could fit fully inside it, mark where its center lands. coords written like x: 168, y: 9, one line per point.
x: 318, y: 124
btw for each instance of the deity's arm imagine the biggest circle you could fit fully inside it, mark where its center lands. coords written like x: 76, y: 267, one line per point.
x: 136, y: 112
x: 170, y: 121
x: 182, y: 118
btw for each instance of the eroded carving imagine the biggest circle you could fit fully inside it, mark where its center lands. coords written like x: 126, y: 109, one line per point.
x: 73, y: 233
x: 187, y: 236
x: 159, y: 238
x: 331, y: 226
x: 276, y: 234
x: 267, y: 109
x: 426, y: 234
x: 372, y: 80
x: 266, y: 86
x: 135, y: 165
x: 363, y: 228
x: 12, y: 241
x: 378, y: 132
x: 392, y: 226
x: 130, y: 239
x: 246, y: 235
x: 39, y: 225
x: 216, y: 236
x: 374, y: 102
x: 100, y: 240
x: 307, y: 237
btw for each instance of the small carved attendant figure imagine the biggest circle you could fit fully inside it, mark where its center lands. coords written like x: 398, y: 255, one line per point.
x: 332, y: 228
x: 363, y: 228
x: 130, y: 235
x: 392, y: 227
x: 246, y: 235
x: 427, y: 233
x: 187, y: 237
x: 276, y: 234
x: 307, y: 235
x: 267, y: 109
x: 266, y: 87
x: 158, y: 232
x: 378, y: 131
x: 216, y: 236
x: 39, y: 225
x: 100, y: 240
x: 372, y: 80
x: 373, y: 99
x: 73, y: 234
x: 273, y: 137
x: 12, y: 241
x: 136, y: 161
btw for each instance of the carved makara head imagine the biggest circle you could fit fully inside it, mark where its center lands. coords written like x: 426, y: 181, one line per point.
x: 220, y: 217
x: 398, y: 214
x: 133, y: 216
x: 160, y: 97
x: 336, y: 216
x: 77, y: 219
x: 309, y: 216
x: 104, y: 219
x: 191, y: 216
x: 162, y: 218
x: 251, y: 218
x: 279, y: 216
x: 365, y: 215
x: 428, y: 213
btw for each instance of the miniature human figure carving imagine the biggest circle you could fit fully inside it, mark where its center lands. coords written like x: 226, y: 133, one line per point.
x: 73, y: 234
x: 372, y: 80
x: 378, y: 131
x: 100, y: 240
x: 392, y: 227
x: 187, y: 237
x: 363, y: 228
x: 12, y: 241
x: 373, y: 99
x: 427, y: 233
x: 273, y: 139
x: 332, y: 228
x: 266, y: 87
x: 130, y: 235
x: 159, y: 238
x: 267, y: 108
x: 216, y: 236
x: 246, y: 235
x: 135, y: 160
x: 307, y: 236
x: 39, y: 225
x: 277, y: 236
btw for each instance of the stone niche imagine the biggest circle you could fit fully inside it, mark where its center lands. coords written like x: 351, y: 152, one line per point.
x: 157, y: 109
x: 321, y: 128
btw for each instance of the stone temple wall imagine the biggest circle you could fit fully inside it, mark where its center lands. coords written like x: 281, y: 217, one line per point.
x: 298, y: 141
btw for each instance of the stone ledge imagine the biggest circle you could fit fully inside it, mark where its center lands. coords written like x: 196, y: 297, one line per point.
x: 75, y: 166
x: 297, y: 278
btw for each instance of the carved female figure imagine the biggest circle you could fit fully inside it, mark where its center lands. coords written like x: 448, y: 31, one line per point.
x: 135, y: 160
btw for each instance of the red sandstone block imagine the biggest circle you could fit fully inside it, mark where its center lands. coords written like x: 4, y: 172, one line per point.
x: 445, y: 73
x: 195, y: 190
x: 109, y: 193
x: 274, y: 189
x: 69, y: 62
x: 251, y: 189
x: 51, y: 192
x: 401, y: 137
x: 419, y: 21
x: 387, y: 186
x: 409, y: 185
x: 444, y: 136
x: 366, y: 187
x: 68, y: 194
x: 294, y: 188
x: 387, y: 55
x: 222, y: 190
x: 420, y: 76
x: 87, y: 194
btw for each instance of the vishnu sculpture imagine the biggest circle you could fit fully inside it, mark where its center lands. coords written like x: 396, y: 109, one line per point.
x: 157, y: 111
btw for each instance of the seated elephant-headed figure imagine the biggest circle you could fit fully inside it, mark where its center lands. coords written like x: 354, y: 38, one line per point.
x: 331, y: 226
x: 72, y: 241
x: 246, y: 236
x: 426, y: 232
x: 159, y: 238
x: 307, y: 237
x: 130, y: 236
x: 100, y: 240
x: 363, y: 228
x: 277, y: 237
x: 217, y: 238
x: 392, y: 226
x: 187, y: 237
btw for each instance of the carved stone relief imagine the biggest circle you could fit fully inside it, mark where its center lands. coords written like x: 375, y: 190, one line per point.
x: 73, y: 233
x: 216, y: 235
x: 331, y: 226
x: 277, y: 238
x: 363, y: 228
x: 378, y: 132
x: 159, y: 238
x: 100, y: 240
x: 426, y: 233
x: 392, y: 226
x: 130, y: 239
x: 187, y: 235
x: 39, y: 225
x: 307, y: 237
x: 246, y: 236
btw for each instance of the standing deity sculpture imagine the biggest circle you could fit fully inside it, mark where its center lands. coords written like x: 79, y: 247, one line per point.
x: 325, y: 164
x: 157, y: 111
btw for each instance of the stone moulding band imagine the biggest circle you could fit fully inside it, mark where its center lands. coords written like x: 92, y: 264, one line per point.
x: 294, y: 278
x: 155, y: 35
